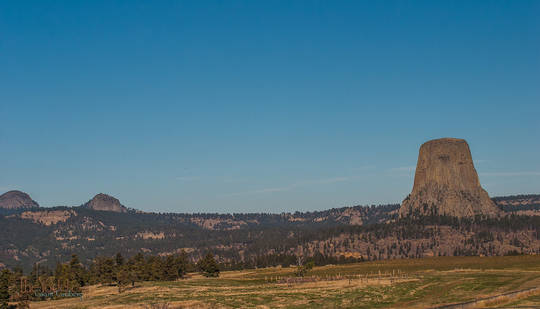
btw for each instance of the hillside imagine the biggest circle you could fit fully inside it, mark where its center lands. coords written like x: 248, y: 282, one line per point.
x: 104, y: 202
x: 420, y: 283
x: 515, y: 203
x: 13, y: 201
x: 349, y: 233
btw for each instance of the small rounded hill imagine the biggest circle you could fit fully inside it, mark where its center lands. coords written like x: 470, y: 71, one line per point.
x: 17, y: 200
x: 104, y: 202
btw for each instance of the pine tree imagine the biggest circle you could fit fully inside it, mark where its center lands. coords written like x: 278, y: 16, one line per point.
x: 155, y: 268
x: 4, y: 288
x: 122, y: 278
x: 132, y: 276
x: 208, y: 266
x: 139, y: 267
x: 170, y: 268
x: 76, y: 271
x: 103, y: 270
x: 119, y: 259
x: 183, y: 263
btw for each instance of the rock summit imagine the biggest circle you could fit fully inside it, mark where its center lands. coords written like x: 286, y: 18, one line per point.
x: 446, y: 183
x: 17, y: 200
x: 104, y: 202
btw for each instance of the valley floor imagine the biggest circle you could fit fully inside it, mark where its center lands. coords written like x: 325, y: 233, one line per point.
x: 406, y: 283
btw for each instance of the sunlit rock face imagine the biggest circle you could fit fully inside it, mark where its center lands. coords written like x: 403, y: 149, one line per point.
x: 446, y: 183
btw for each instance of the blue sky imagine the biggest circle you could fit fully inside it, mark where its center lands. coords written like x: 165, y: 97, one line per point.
x: 262, y: 106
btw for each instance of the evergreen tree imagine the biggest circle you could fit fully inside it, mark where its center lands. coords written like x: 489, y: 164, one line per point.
x: 170, y: 268
x: 122, y: 278
x: 61, y: 272
x: 154, y: 268
x: 132, y: 276
x: 76, y: 271
x: 208, y: 266
x: 182, y: 262
x: 138, y: 266
x: 103, y: 270
x: 4, y: 288
x: 119, y: 259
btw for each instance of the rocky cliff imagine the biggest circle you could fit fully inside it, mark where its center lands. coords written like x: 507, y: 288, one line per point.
x: 105, y: 202
x: 446, y: 183
x: 17, y: 200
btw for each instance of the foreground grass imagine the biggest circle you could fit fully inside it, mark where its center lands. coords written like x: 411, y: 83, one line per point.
x: 415, y: 283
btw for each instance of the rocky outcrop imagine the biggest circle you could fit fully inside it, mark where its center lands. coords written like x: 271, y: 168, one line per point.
x: 48, y: 217
x: 104, y: 202
x: 17, y: 200
x: 446, y: 183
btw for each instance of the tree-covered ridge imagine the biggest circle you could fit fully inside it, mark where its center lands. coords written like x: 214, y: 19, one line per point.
x: 27, y: 238
x: 52, y: 235
x: 68, y: 278
x: 519, y: 197
x: 523, y: 202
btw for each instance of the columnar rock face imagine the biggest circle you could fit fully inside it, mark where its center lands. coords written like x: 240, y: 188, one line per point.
x: 446, y: 183
x: 17, y: 200
x: 105, y: 202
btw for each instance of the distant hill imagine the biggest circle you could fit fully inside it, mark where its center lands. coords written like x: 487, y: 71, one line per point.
x: 14, y: 200
x: 519, y: 203
x: 518, y: 200
x: 104, y: 202
x: 52, y: 234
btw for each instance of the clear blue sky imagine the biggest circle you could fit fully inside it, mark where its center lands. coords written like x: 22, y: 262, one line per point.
x: 262, y: 106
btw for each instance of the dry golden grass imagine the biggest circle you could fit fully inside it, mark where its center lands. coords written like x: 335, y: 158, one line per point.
x: 415, y: 283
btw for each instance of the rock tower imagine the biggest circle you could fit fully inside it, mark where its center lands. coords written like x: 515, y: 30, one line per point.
x: 446, y: 183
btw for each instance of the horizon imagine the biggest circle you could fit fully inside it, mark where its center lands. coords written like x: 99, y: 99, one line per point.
x: 275, y: 107
x: 233, y: 213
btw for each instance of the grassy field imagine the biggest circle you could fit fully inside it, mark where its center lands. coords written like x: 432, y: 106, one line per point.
x: 414, y: 283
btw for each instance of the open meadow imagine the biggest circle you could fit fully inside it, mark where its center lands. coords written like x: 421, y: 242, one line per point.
x: 405, y: 283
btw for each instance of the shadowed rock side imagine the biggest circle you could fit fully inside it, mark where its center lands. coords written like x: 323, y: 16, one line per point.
x: 17, y: 200
x: 105, y: 202
x: 446, y: 183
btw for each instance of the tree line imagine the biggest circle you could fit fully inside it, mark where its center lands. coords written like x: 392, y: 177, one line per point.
x: 43, y: 282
